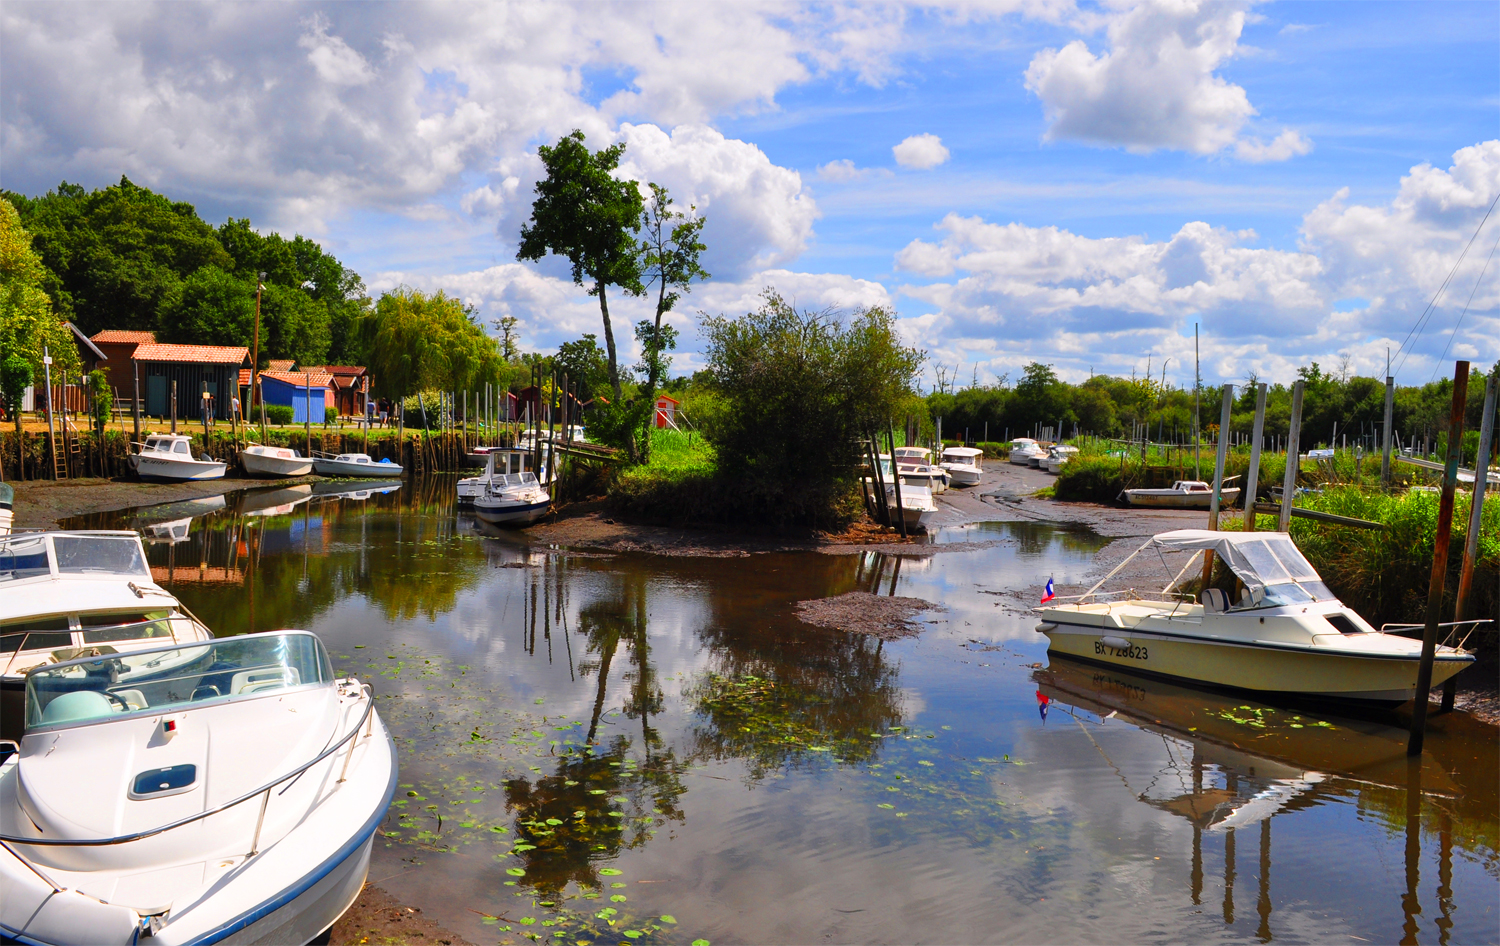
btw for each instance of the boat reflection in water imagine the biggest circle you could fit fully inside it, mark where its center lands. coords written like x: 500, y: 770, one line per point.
x: 1231, y: 765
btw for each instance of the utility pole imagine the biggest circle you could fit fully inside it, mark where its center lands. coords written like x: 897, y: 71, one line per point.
x: 1252, y: 476
x: 1197, y: 386
x: 260, y: 280
x: 1220, y: 455
x: 1390, y: 410
x: 1439, y: 558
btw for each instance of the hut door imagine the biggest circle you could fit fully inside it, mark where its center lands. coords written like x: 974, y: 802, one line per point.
x: 156, y: 395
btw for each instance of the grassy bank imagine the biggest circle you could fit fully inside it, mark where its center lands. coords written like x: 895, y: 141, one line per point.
x: 683, y: 484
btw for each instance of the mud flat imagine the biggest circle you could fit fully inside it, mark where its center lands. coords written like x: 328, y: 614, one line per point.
x: 43, y: 504
x: 884, y: 616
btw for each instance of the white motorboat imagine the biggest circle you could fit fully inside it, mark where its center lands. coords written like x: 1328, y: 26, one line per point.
x: 963, y: 464
x: 354, y: 464
x: 226, y: 791
x: 1022, y: 449
x: 1184, y: 494
x: 916, y: 505
x: 512, y: 499
x: 916, y: 468
x: 7, y: 513
x: 498, y: 462
x: 169, y: 458
x: 1059, y: 456
x: 1283, y: 632
x: 259, y: 460
x: 65, y: 594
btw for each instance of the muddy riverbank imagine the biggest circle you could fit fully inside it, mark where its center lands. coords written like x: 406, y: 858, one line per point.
x: 45, y: 504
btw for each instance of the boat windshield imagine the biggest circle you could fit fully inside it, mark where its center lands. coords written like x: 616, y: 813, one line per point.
x: 172, y: 678
x: 33, y: 556
x: 504, y: 480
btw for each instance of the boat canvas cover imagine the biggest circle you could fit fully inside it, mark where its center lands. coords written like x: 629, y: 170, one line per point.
x: 1259, y: 558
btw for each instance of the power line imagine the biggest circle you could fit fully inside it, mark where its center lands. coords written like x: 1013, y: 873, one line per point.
x: 1426, y: 316
x: 1454, y: 333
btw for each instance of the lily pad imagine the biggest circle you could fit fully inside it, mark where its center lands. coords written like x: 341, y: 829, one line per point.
x: 516, y: 871
x: 611, y: 871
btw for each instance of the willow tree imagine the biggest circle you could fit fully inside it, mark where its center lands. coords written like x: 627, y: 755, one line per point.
x: 583, y: 212
x: 418, y: 341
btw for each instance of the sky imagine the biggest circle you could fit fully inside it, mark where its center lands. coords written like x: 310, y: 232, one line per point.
x: 1078, y: 184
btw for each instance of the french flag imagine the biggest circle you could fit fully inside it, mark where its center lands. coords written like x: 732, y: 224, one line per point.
x: 1048, y: 595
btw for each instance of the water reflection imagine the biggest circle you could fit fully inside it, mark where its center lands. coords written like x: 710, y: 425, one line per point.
x: 1226, y: 766
x: 595, y: 741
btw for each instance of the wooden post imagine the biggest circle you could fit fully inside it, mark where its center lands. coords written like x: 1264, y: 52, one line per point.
x: 883, y: 516
x: 896, y: 477
x: 1390, y: 407
x: 551, y: 412
x: 1220, y: 455
x: 1197, y: 387
x: 1476, y: 511
x: 51, y: 432
x: 1293, y: 450
x: 260, y: 396
x: 307, y: 418
x: 135, y: 386
x: 174, y: 405
x: 1439, y: 558
x: 1252, y: 477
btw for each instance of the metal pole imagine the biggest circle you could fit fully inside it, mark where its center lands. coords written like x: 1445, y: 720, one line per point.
x: 51, y: 433
x: 1439, y: 558
x: 1220, y: 454
x: 1252, y: 477
x: 135, y: 393
x: 1293, y: 448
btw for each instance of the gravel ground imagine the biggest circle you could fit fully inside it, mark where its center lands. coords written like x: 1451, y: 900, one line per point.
x: 886, y: 617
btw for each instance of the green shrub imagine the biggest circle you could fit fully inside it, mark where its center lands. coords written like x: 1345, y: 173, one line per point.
x: 330, y: 414
x: 279, y: 414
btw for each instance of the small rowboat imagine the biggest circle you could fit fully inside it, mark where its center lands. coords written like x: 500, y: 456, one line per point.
x: 1184, y: 494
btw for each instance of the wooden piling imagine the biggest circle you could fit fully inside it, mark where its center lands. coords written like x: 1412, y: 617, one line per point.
x: 1390, y: 408
x: 1439, y: 558
x: 1252, y: 476
x: 1476, y: 512
x: 1221, y: 452
x: 896, y: 478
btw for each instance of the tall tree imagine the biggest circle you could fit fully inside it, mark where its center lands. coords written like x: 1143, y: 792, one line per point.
x: 584, y: 213
x: 671, y: 242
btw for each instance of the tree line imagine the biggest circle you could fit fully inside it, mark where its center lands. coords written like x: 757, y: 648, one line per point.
x: 1335, y: 405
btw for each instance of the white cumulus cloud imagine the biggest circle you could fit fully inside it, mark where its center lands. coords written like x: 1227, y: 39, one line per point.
x: 920, y: 152
x: 1156, y: 86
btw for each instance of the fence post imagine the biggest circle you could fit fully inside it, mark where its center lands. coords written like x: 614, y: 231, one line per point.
x: 1439, y: 558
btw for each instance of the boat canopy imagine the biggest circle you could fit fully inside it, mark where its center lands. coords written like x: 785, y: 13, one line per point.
x: 1259, y: 558
x: 90, y: 554
x: 964, y: 453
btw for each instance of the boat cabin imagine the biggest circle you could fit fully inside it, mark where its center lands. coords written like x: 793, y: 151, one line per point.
x: 966, y: 456
x: 179, y: 444
x: 1191, y: 486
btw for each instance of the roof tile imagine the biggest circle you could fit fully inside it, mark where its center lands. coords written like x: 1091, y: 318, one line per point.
x: 192, y: 354
x: 120, y: 336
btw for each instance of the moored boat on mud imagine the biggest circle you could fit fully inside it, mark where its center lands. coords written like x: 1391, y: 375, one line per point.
x: 355, y: 464
x: 1281, y: 633
x: 512, y: 499
x: 260, y: 460
x: 199, y: 793
x: 169, y: 458
x: 963, y: 465
x: 1184, y: 494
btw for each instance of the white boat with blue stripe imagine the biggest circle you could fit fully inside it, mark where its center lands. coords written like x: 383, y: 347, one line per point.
x: 226, y: 791
x: 512, y: 499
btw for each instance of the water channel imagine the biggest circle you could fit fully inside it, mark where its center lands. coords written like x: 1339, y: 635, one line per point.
x: 611, y: 748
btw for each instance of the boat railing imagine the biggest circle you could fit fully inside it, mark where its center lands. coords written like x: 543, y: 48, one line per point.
x: 366, y: 722
x: 1453, y: 630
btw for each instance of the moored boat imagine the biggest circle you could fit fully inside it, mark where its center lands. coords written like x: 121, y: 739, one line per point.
x: 498, y: 462
x: 64, y: 594
x: 963, y: 464
x: 916, y: 468
x: 1058, y: 457
x: 354, y: 464
x: 1184, y: 494
x: 512, y: 499
x: 1023, y: 449
x: 169, y: 458
x: 226, y: 791
x: 7, y: 502
x: 1281, y: 633
x: 260, y: 460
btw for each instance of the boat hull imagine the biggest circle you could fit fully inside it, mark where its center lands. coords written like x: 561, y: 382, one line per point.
x: 511, y: 514
x: 1256, y: 667
x: 258, y: 465
x: 370, y: 470
x: 1172, y: 499
x: 963, y: 476
x: 161, y: 470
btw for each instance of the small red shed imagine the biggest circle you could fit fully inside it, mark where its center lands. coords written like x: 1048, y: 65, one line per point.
x: 666, y: 411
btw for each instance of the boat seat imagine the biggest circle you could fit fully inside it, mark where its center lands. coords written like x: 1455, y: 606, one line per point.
x: 1215, y: 601
x: 269, y: 678
x: 80, y: 704
x: 134, y: 699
